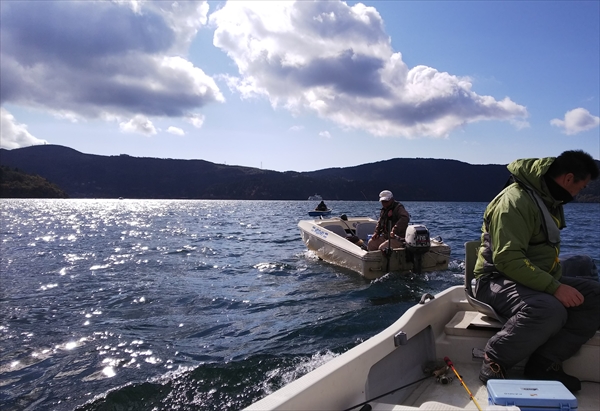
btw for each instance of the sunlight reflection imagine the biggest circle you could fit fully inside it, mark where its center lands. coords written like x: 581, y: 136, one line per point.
x: 109, y: 372
x: 48, y: 287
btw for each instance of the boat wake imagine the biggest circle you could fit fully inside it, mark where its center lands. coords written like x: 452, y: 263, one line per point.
x: 285, y: 375
x: 208, y: 385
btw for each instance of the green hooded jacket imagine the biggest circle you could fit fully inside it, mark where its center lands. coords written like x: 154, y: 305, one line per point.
x: 514, y: 242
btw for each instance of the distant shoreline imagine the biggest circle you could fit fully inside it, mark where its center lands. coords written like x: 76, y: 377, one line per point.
x: 81, y: 175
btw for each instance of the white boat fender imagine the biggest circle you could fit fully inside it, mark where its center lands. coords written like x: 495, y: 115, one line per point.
x: 426, y: 298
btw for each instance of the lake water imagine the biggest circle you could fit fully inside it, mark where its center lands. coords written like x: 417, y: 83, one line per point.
x: 195, y: 305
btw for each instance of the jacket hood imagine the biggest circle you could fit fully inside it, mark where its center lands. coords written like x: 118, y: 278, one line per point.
x: 530, y: 172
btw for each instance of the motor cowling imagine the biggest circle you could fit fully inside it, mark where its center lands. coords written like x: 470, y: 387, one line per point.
x: 417, y: 239
x: 417, y: 243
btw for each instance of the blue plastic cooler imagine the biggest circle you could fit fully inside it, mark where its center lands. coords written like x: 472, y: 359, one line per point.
x: 531, y: 395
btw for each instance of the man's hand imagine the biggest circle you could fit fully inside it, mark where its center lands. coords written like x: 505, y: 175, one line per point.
x: 568, y: 296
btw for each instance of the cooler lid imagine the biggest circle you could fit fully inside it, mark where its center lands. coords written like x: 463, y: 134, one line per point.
x: 531, y: 393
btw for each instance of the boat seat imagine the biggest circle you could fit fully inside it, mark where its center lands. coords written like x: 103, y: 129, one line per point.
x: 473, y: 324
x: 476, y: 324
x: 471, y: 248
x: 595, y: 340
x: 364, y: 229
x: 336, y: 229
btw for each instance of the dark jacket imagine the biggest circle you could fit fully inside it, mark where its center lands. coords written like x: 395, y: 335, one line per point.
x: 321, y: 207
x: 399, y: 217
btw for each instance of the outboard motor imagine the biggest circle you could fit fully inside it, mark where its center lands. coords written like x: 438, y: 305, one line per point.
x: 417, y: 243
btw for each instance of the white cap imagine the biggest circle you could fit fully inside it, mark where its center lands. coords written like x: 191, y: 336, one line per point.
x: 385, y: 195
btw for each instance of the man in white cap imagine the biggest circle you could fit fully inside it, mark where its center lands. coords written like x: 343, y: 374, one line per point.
x: 392, y: 223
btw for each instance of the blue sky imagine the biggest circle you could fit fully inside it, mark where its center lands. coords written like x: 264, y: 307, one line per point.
x: 302, y: 85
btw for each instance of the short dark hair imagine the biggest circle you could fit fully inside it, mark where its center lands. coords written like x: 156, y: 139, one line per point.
x: 578, y: 162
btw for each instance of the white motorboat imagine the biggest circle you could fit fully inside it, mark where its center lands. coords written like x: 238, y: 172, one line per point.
x: 395, y: 369
x: 328, y: 238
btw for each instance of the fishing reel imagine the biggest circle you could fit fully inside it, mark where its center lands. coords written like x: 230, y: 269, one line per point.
x: 438, y: 369
x: 440, y: 375
x: 444, y: 379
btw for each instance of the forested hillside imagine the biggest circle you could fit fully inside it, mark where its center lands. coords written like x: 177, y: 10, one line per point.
x: 16, y: 184
x: 92, y: 176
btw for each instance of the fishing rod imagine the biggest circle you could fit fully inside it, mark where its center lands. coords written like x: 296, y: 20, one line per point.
x: 388, y: 252
x: 449, y: 363
x: 365, y: 405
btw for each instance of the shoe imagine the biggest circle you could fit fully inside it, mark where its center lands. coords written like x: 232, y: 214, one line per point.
x: 491, y: 370
x: 539, y: 368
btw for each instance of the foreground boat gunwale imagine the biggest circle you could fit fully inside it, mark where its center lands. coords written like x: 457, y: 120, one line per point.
x: 379, y: 346
x: 357, y: 375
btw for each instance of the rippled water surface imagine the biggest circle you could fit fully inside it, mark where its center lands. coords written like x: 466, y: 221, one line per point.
x: 204, y: 305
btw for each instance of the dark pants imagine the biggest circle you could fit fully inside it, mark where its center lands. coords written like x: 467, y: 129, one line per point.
x: 537, y: 322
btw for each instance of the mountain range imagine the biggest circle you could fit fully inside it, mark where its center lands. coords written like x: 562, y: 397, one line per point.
x: 83, y: 175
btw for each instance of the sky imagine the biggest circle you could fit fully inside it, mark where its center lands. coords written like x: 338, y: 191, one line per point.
x: 302, y: 85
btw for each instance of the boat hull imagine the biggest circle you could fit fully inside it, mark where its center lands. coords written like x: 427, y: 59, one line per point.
x: 318, y: 237
x: 374, y: 370
x: 316, y: 213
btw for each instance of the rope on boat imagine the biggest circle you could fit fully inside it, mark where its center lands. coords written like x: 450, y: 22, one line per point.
x: 459, y: 261
x: 438, y: 253
x: 446, y: 255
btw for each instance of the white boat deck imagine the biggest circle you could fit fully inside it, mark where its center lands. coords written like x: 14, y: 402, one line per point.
x: 431, y: 395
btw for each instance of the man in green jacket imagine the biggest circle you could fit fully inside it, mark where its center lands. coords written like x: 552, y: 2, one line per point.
x: 519, y: 272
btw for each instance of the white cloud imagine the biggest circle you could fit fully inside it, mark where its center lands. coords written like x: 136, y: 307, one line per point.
x: 176, y: 130
x: 336, y: 60
x: 138, y: 124
x: 296, y: 128
x: 108, y: 60
x: 13, y: 134
x: 197, y: 120
x: 576, y: 121
x: 325, y: 134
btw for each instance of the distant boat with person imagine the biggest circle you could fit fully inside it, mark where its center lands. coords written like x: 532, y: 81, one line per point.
x: 320, y: 210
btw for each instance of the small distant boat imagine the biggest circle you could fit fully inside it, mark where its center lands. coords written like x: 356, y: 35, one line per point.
x: 316, y: 197
x: 319, y: 213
